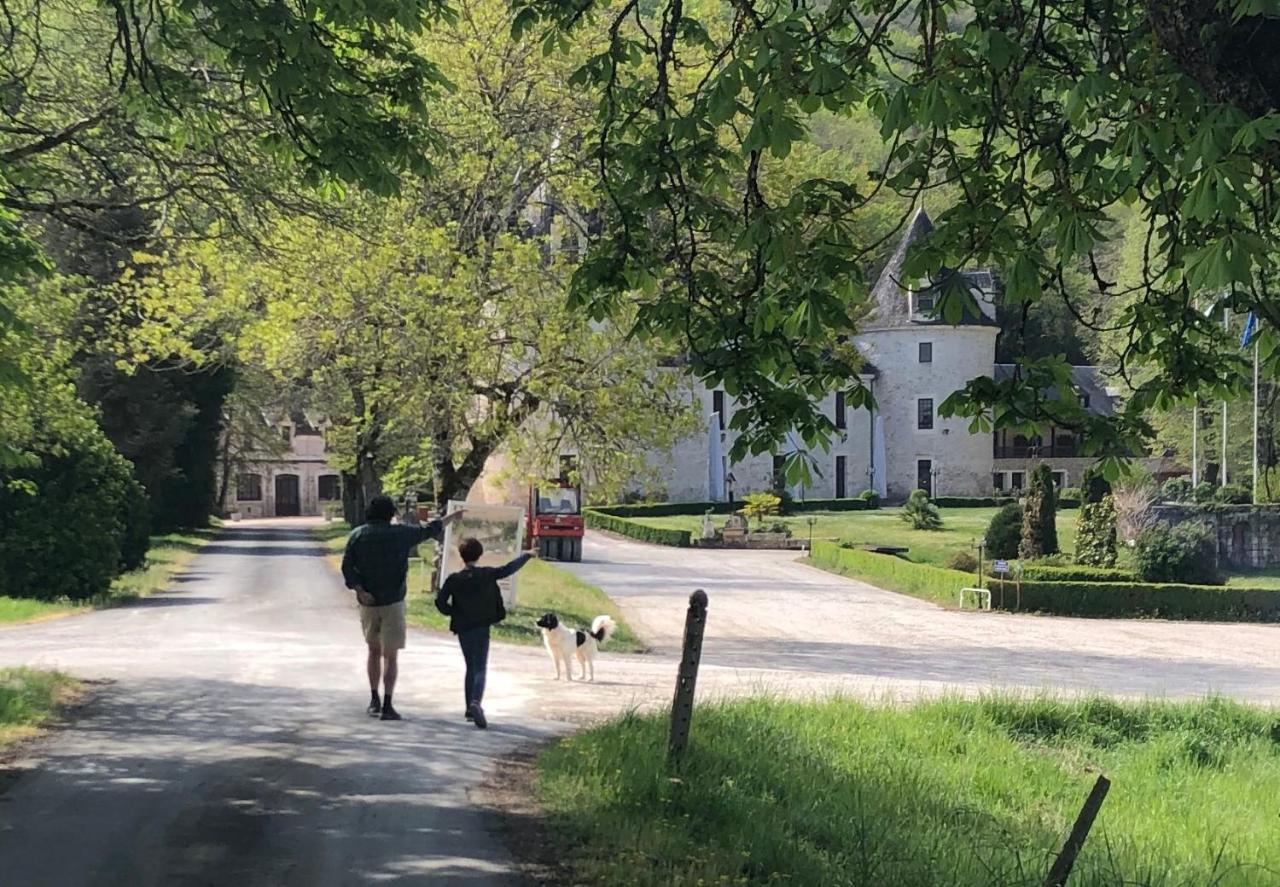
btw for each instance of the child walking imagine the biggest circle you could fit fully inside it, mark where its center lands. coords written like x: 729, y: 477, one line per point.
x: 473, y: 602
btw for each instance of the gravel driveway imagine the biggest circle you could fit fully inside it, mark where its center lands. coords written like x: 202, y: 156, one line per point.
x: 226, y: 742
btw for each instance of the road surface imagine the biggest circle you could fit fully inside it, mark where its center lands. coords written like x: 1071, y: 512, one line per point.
x: 227, y: 742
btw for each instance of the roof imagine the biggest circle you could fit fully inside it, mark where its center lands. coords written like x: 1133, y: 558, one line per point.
x: 890, y: 300
x: 1088, y: 381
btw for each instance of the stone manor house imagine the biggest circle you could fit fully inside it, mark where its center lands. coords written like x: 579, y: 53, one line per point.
x: 913, y: 363
x: 293, y: 478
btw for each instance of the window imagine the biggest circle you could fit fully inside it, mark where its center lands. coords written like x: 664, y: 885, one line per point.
x: 779, y: 472
x: 997, y: 481
x: 717, y: 406
x: 841, y: 420
x: 926, y: 352
x: 1059, y: 479
x: 1016, y: 479
x: 286, y: 434
x: 840, y: 472
x: 249, y: 488
x: 925, y: 303
x: 924, y: 413
x: 330, y: 491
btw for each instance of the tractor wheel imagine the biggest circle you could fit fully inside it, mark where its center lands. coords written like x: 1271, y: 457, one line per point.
x: 575, y: 553
x: 544, y: 548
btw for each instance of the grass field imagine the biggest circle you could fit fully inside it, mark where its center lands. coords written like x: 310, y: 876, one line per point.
x: 541, y: 587
x: 1256, y: 579
x: 964, y: 794
x: 961, y: 528
x: 169, y: 555
x: 29, y: 699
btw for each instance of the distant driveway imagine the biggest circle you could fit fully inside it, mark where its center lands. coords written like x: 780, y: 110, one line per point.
x: 770, y: 611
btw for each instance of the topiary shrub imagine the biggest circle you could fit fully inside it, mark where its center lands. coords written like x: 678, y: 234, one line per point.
x: 962, y: 561
x: 1094, y: 487
x: 1039, y: 516
x: 920, y: 513
x: 1186, y: 553
x: 1004, y: 532
x: 1096, y: 539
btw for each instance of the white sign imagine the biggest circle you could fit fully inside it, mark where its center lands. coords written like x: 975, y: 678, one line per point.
x: 500, y: 529
x: 1001, y: 566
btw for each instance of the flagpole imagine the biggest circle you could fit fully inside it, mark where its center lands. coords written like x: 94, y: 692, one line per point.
x: 1195, y: 443
x: 1255, y: 419
x: 1226, y: 325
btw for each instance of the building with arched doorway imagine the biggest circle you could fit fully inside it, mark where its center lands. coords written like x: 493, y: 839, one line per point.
x: 290, y: 479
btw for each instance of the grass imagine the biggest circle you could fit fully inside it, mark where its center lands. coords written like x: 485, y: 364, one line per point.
x: 29, y: 699
x: 961, y: 528
x: 540, y: 588
x: 169, y: 555
x: 1256, y: 579
x: 942, y: 793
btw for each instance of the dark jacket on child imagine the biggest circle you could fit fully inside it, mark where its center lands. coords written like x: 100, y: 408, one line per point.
x: 471, y: 597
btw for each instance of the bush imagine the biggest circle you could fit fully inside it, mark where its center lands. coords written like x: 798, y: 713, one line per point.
x: 1041, y: 572
x: 1094, y: 486
x: 656, y: 535
x: 1096, y: 540
x: 779, y: 527
x: 1004, y: 532
x: 920, y: 512
x: 786, y: 502
x: 1233, y: 494
x: 665, y: 509
x: 1039, y: 516
x: 1166, y: 601
x: 761, y: 505
x: 1187, y: 552
x: 890, y: 573
x: 1176, y: 489
x: 136, y: 519
x: 962, y: 561
x: 972, y: 501
x: 63, y: 519
x: 871, y: 497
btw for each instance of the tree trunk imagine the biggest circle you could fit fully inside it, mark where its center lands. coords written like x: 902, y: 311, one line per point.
x: 455, y: 482
x: 226, y: 465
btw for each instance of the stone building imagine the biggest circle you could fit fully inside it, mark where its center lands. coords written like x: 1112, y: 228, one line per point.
x: 295, y: 479
x: 914, y: 361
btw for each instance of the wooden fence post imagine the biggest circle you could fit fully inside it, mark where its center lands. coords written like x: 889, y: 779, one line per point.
x: 695, y: 622
x: 1061, y: 869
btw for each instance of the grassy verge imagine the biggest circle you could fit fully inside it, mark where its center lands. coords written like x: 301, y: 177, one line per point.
x: 961, y: 528
x: 169, y: 555
x: 541, y: 587
x: 29, y: 699
x: 956, y: 793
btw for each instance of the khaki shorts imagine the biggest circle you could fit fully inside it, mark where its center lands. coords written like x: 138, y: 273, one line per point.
x: 384, y: 626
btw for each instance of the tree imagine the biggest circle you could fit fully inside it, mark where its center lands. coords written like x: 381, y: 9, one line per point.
x: 920, y: 513
x: 1053, y: 123
x: 1039, y: 522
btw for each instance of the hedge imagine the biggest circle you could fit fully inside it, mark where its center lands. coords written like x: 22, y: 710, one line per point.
x: 891, y: 573
x: 598, y: 520
x: 972, y: 501
x: 1076, y: 573
x: 1166, y: 601
x: 674, y: 509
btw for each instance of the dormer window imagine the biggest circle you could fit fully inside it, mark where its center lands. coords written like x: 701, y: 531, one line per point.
x: 286, y: 434
x: 925, y: 302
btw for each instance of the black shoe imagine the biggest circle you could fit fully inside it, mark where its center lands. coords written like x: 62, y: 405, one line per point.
x: 477, y: 715
x: 471, y: 713
x: 390, y: 714
x: 374, y: 709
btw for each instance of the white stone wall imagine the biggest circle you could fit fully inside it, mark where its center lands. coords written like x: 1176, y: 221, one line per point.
x: 963, y: 460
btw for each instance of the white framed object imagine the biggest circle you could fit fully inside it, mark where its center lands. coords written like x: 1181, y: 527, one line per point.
x: 500, y: 529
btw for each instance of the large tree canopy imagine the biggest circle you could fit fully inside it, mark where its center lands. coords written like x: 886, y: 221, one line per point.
x: 1049, y: 121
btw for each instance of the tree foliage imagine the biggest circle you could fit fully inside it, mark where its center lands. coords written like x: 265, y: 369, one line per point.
x: 1004, y: 532
x: 1096, y: 536
x: 1039, y: 516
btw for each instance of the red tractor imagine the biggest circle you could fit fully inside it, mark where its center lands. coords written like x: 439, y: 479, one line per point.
x: 554, y: 521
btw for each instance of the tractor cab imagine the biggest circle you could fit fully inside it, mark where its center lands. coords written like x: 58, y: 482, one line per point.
x: 555, y: 525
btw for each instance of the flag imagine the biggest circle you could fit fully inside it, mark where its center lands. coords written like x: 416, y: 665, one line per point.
x: 1250, y: 330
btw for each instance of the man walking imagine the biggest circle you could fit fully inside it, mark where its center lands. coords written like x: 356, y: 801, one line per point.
x: 376, y: 566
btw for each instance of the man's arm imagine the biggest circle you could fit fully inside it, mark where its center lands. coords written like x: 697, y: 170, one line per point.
x: 444, y: 598
x: 434, y: 529
x: 350, y: 569
x: 509, y: 568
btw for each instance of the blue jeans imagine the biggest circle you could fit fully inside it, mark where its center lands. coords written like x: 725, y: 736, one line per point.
x: 475, y: 650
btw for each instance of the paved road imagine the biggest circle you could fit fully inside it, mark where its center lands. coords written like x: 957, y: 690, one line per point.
x: 228, y: 744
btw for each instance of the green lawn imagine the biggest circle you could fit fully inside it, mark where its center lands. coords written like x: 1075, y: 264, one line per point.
x: 964, y: 794
x: 961, y: 528
x: 29, y: 699
x: 1257, y: 579
x: 169, y: 554
x: 541, y: 587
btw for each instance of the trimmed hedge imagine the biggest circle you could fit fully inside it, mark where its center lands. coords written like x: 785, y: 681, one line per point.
x: 1166, y: 601
x: 1076, y: 573
x: 676, y: 509
x: 598, y: 520
x: 972, y: 501
x: 891, y: 573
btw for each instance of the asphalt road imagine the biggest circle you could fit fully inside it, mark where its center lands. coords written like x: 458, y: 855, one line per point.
x: 227, y: 744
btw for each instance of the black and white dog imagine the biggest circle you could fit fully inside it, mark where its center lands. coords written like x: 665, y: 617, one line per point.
x: 564, y: 644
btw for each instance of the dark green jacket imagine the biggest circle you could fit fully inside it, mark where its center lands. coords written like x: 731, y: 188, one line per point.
x: 377, y: 557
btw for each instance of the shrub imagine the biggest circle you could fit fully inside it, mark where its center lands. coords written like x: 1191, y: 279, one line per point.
x: 971, y: 501
x: 1096, y: 540
x: 1039, y: 523
x: 1134, y: 508
x: 1176, y: 489
x: 1187, y: 552
x: 779, y: 527
x: 62, y: 519
x: 1233, y: 494
x: 962, y: 561
x: 1094, y: 486
x: 920, y: 512
x: 890, y: 573
x: 871, y: 497
x: 786, y: 501
x: 761, y: 505
x: 1042, y: 572
x: 1004, y: 532
x: 656, y: 535
x: 135, y: 516
x: 1166, y: 601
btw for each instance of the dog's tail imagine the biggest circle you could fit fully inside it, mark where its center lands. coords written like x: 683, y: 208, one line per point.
x: 602, y: 628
